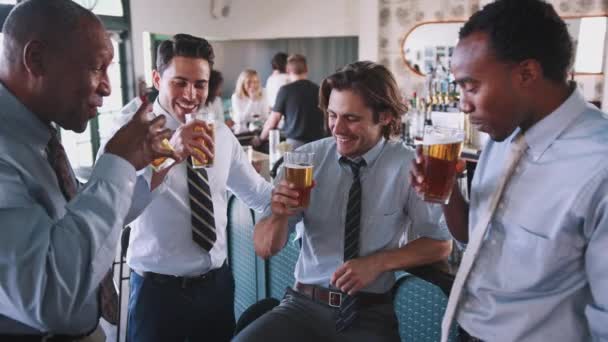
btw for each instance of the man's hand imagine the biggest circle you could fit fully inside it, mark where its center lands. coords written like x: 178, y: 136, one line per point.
x: 140, y: 141
x: 356, y: 274
x: 285, y: 200
x: 417, y: 171
x: 187, y: 141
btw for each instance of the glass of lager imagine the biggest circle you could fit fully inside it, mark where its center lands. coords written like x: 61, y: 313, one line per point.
x: 210, y: 121
x: 298, y: 170
x: 441, y: 147
x: 162, y: 163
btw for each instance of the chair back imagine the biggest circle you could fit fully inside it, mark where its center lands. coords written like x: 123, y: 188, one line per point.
x: 419, y: 306
x: 241, y: 254
x: 281, y: 268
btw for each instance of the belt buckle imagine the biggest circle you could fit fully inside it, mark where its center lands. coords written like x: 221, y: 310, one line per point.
x: 46, y: 337
x: 335, y: 299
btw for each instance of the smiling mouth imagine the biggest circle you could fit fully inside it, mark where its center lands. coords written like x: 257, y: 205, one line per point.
x: 186, y: 107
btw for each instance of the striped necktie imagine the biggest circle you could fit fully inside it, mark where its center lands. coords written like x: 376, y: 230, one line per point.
x: 518, y: 147
x: 352, y: 228
x: 201, y: 208
x: 107, y: 295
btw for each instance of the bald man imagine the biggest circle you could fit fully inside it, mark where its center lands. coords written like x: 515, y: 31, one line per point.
x: 58, y: 238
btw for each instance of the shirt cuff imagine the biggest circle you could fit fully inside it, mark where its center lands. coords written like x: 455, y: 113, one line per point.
x: 114, y: 170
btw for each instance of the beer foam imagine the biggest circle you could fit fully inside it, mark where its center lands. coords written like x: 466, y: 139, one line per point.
x: 297, y: 166
x: 439, y: 140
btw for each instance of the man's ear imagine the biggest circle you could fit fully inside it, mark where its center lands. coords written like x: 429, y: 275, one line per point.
x: 34, y: 57
x: 156, y: 79
x: 385, y: 118
x: 528, y: 72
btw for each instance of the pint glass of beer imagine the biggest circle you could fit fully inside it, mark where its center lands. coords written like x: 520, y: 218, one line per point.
x: 209, y: 120
x: 162, y: 163
x: 441, y: 147
x: 298, y: 170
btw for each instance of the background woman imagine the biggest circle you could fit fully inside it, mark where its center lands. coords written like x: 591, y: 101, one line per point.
x: 248, y: 101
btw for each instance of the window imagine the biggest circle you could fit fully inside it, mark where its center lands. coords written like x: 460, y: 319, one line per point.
x: 103, y: 7
x: 589, y: 54
x: 8, y: 2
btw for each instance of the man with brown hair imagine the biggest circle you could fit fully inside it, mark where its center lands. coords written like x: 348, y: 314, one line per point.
x: 359, y: 210
x: 298, y: 101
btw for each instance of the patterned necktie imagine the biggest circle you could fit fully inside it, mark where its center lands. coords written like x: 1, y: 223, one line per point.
x: 201, y: 208
x: 349, y: 306
x: 107, y: 296
x: 61, y: 165
x: 518, y: 148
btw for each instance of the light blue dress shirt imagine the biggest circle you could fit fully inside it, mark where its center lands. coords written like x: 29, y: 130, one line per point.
x: 389, y: 207
x: 541, y: 273
x: 53, y: 254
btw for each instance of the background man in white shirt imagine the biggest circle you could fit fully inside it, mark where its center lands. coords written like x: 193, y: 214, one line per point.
x: 181, y: 286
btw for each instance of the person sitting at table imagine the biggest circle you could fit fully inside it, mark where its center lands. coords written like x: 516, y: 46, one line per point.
x: 360, y: 207
x: 248, y: 101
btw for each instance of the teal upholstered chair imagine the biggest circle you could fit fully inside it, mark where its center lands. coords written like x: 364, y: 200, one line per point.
x: 241, y: 254
x: 419, y: 306
x: 281, y: 267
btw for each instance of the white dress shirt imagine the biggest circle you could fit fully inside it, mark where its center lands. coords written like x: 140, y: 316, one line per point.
x: 273, y: 84
x: 243, y: 110
x: 161, y: 233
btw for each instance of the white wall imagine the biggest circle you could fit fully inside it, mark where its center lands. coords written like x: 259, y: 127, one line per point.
x: 248, y: 19
x: 368, y: 29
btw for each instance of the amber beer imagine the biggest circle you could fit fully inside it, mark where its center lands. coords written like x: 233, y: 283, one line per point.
x: 441, y: 149
x: 162, y: 163
x: 298, y: 170
x: 206, y: 162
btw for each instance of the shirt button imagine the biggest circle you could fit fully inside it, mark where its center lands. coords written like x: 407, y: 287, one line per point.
x: 493, y: 241
x: 501, y: 206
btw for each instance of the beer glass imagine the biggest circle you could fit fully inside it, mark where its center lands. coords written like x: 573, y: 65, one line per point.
x: 162, y: 163
x: 298, y: 170
x: 208, y: 118
x: 441, y: 147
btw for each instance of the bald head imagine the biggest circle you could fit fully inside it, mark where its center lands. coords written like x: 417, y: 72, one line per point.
x: 56, y: 58
x: 52, y: 22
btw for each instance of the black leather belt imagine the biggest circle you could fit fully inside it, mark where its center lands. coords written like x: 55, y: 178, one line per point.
x: 334, y: 298
x: 37, y: 338
x: 183, y: 282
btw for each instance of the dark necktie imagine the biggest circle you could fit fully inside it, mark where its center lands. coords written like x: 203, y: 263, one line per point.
x: 107, y: 296
x: 201, y: 208
x: 352, y: 228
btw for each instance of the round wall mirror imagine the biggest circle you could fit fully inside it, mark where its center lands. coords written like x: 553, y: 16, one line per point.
x: 429, y: 46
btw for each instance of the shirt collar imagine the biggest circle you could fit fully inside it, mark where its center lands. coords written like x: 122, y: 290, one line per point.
x: 171, y: 122
x: 369, y: 156
x: 541, y: 135
x: 20, y: 119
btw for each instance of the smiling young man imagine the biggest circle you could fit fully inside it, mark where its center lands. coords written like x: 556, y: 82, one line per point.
x: 359, y: 210
x: 181, y: 285
x: 540, y: 273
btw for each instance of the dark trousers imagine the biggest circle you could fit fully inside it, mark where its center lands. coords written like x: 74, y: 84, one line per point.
x: 167, y: 311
